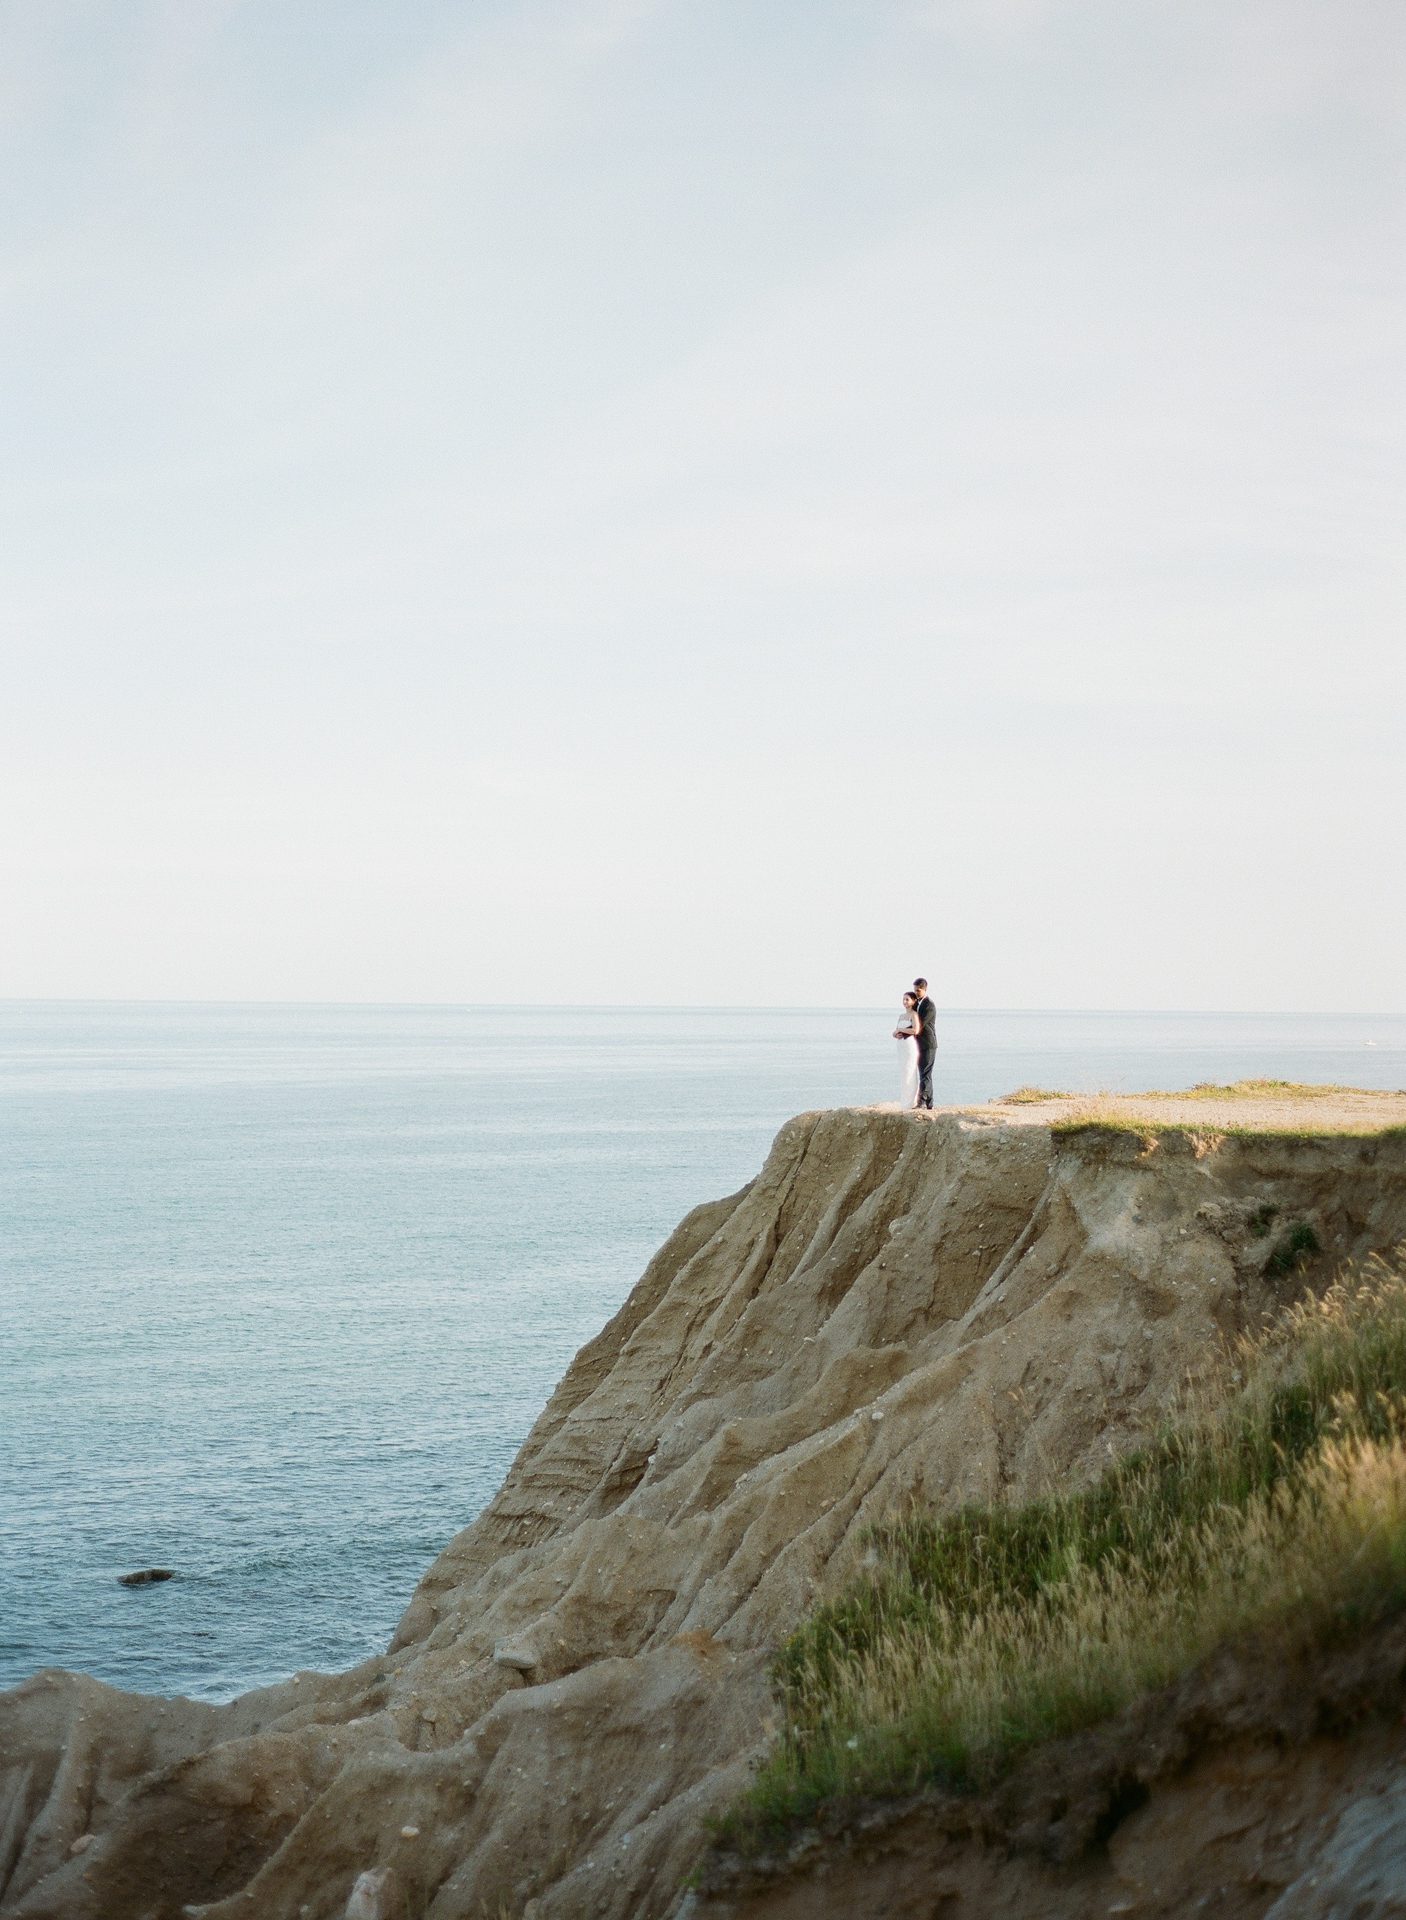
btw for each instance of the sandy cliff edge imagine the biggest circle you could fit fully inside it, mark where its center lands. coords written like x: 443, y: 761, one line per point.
x: 900, y: 1305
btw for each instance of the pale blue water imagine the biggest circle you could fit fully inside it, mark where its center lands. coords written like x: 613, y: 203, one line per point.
x: 283, y: 1288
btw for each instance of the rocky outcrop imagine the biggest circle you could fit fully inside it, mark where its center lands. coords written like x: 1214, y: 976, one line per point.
x: 900, y: 1306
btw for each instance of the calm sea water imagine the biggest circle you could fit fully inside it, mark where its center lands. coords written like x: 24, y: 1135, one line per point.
x: 283, y: 1288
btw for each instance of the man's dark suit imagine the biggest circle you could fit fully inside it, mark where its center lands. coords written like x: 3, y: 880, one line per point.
x: 927, y: 1047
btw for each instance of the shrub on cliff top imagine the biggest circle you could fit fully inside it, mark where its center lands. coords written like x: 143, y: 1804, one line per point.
x: 981, y: 1633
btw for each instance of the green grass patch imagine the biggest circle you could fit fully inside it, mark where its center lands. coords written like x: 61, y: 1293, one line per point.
x: 1095, y: 1120
x: 981, y: 1633
x: 1262, y: 1090
x: 1294, y: 1249
x: 1117, y: 1112
x: 1203, y: 1090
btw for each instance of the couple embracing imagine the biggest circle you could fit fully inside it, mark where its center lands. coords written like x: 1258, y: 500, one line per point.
x: 916, y: 1034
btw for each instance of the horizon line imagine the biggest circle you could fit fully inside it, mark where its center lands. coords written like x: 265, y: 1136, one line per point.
x: 680, y: 1006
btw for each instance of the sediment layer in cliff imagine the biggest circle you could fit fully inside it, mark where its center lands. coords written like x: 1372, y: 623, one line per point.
x: 1253, y: 1789
x: 900, y: 1306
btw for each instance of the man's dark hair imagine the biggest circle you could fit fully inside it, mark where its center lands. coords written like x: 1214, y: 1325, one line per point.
x: 921, y: 983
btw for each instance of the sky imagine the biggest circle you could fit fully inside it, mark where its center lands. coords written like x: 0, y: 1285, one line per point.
x: 699, y: 501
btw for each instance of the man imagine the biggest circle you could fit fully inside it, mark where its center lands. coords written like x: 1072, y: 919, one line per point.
x: 927, y: 1042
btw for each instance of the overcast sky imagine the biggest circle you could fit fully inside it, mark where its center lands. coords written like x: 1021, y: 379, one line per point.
x: 704, y: 500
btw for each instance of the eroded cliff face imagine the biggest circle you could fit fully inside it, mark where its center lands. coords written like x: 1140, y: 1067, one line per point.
x: 899, y: 1306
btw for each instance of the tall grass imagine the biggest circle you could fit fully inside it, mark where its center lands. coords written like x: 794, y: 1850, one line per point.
x: 978, y: 1635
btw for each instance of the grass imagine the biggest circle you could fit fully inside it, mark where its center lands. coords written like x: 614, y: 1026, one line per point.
x: 1263, y: 1090
x: 978, y: 1635
x: 1102, y: 1116
x: 1295, y: 1247
x: 1117, y: 1113
x: 1203, y: 1090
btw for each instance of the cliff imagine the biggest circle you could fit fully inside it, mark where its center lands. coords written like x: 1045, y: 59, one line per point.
x: 973, y: 1304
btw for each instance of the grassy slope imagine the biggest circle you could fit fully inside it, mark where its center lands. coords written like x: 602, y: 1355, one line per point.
x: 977, y: 1636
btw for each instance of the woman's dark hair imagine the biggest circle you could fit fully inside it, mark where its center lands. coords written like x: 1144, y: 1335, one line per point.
x: 910, y: 995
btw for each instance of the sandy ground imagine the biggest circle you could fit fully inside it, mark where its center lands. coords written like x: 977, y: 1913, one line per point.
x: 1253, y: 1105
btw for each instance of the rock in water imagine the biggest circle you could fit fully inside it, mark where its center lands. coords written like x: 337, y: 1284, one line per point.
x: 147, y: 1577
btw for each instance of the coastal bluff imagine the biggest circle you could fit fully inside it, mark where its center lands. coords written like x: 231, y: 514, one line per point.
x: 979, y: 1303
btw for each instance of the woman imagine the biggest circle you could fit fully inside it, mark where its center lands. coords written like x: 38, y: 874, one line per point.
x: 906, y: 1034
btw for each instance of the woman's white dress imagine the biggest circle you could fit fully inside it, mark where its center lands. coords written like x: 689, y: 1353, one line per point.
x: 907, y: 1061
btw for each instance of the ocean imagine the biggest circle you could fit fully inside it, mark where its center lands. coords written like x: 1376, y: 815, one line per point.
x: 282, y: 1288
